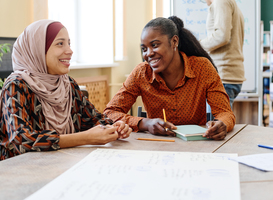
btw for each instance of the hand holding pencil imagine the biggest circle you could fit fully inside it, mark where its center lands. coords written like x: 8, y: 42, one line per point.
x: 157, y: 126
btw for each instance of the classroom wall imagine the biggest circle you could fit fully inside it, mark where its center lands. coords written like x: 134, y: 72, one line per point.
x: 137, y: 14
x: 15, y: 15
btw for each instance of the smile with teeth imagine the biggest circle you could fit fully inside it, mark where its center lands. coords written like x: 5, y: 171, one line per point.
x: 154, y: 61
x: 65, y: 61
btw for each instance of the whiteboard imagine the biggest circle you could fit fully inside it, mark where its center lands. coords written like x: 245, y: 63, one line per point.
x: 194, y: 15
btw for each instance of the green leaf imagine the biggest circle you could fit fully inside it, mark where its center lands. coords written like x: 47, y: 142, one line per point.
x: 4, y: 48
x: 1, y: 83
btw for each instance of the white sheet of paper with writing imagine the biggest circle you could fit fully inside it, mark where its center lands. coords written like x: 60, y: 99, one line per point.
x: 130, y: 174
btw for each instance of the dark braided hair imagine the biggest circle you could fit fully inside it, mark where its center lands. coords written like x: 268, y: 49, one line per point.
x: 187, y: 42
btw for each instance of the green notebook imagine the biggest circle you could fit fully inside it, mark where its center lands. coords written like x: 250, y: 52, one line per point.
x: 190, y: 132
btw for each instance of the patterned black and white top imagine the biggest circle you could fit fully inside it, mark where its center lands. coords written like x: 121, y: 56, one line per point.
x: 22, y: 123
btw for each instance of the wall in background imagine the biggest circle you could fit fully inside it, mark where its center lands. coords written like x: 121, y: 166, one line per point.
x: 15, y: 15
x: 137, y: 15
x: 266, y: 13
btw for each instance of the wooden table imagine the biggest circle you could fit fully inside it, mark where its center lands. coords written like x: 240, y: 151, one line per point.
x: 255, y: 184
x: 23, y: 175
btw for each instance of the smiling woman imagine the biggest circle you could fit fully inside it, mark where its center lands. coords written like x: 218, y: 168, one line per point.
x: 41, y: 107
x: 178, y: 76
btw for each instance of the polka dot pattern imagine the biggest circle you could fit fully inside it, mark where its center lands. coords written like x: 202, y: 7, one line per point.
x: 185, y: 104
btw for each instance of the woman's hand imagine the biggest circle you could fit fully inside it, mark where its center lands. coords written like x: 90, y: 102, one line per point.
x: 123, y: 130
x: 157, y: 126
x: 217, y: 130
x: 100, y: 134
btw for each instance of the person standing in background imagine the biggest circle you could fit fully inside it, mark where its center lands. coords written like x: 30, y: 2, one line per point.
x: 224, y: 42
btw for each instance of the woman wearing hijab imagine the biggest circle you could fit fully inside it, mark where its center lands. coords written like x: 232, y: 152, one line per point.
x: 41, y: 105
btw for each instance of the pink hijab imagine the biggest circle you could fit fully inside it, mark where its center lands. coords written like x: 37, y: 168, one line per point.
x: 53, y: 91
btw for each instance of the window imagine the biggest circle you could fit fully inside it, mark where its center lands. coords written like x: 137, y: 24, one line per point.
x: 161, y: 8
x: 119, y: 36
x: 90, y: 26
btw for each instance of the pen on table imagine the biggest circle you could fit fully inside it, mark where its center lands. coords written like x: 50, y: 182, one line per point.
x: 153, y: 139
x: 164, y: 115
x: 265, y: 146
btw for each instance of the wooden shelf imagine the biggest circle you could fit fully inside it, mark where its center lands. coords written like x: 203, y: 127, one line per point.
x: 255, y: 99
x: 246, y: 111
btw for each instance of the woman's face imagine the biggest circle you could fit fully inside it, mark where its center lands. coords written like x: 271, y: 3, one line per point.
x: 157, y: 50
x: 59, y: 54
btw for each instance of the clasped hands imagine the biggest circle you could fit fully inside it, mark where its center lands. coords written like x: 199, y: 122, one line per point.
x: 119, y: 128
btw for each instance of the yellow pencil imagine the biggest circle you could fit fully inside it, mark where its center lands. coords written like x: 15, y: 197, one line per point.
x: 152, y: 139
x: 164, y: 115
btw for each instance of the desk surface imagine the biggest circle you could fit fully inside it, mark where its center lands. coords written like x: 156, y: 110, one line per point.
x: 27, y: 173
x: 245, y: 143
x: 132, y: 143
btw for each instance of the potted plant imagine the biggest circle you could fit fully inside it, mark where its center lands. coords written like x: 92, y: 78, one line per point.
x: 4, y: 48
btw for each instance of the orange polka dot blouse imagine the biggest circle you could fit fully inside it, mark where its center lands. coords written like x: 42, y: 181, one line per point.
x: 185, y: 104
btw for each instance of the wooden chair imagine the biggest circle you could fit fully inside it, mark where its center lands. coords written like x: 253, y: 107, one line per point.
x: 140, y: 113
x: 98, y: 90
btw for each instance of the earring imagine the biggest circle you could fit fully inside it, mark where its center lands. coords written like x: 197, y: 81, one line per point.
x: 174, y: 48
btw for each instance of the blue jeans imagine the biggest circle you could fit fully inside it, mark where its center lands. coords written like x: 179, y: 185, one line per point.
x: 232, y: 91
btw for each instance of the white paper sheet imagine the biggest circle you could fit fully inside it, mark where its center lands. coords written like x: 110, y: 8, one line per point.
x: 260, y: 161
x: 139, y: 175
